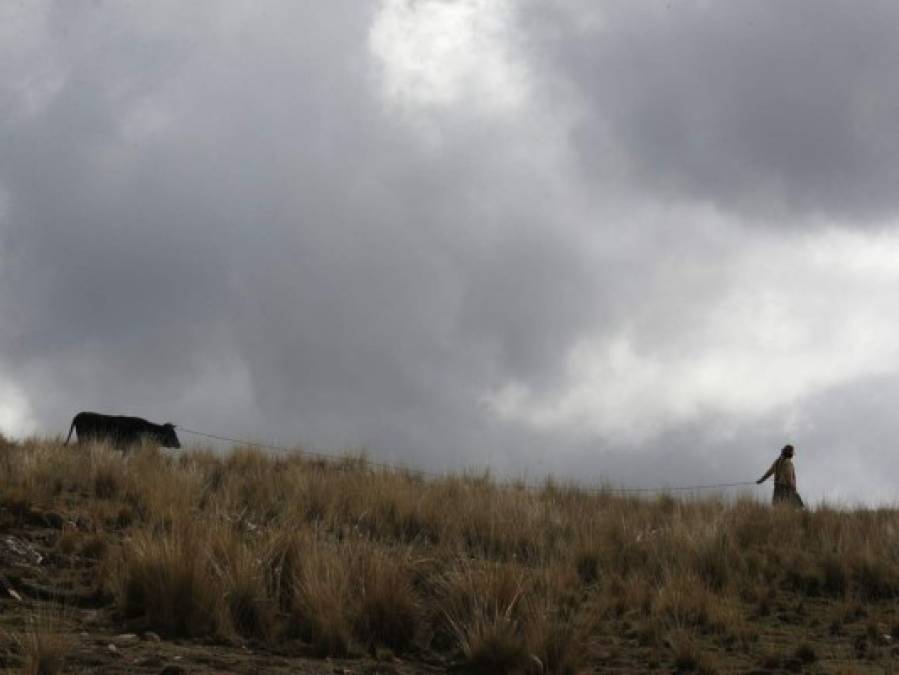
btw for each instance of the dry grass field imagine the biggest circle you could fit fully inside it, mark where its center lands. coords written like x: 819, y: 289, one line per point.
x: 196, y: 562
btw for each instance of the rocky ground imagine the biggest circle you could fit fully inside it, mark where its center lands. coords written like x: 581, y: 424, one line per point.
x: 47, y: 594
x: 52, y: 595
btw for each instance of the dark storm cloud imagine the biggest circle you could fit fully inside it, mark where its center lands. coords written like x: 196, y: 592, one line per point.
x: 765, y: 108
x: 223, y: 217
x: 241, y: 211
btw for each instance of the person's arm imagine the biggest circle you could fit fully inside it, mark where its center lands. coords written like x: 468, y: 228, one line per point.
x: 768, y: 474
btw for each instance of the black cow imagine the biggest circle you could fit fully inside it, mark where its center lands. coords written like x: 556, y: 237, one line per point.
x: 121, y: 431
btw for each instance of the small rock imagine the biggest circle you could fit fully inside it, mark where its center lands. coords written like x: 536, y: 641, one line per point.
x: 150, y: 636
x: 112, y: 648
x: 14, y: 594
x: 23, y: 550
x: 126, y: 636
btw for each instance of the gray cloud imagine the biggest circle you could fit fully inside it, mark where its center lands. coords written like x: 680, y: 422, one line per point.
x: 226, y: 217
x: 280, y: 222
x: 768, y: 109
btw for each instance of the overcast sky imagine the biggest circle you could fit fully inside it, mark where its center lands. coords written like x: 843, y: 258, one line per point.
x: 638, y: 242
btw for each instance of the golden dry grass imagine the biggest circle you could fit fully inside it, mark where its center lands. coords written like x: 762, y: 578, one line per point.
x: 350, y: 559
x: 41, y: 646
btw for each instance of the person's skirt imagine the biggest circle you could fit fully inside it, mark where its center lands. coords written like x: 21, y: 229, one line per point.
x: 784, y: 494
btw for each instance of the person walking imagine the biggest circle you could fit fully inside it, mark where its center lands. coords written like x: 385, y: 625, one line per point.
x: 784, y: 479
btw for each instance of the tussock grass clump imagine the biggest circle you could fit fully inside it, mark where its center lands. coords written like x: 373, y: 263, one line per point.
x: 192, y: 581
x: 107, y: 482
x: 494, y: 644
x: 683, y: 602
x: 240, y: 575
x: 388, y: 609
x: 835, y: 580
x: 71, y: 542
x: 158, y: 490
x: 321, y: 593
x: 166, y: 579
x: 45, y: 652
x: 875, y: 577
x: 42, y: 647
x: 557, y: 635
x: 587, y: 566
x: 472, y: 598
x: 690, y: 658
x: 481, y: 616
x: 686, y: 604
x: 283, y: 551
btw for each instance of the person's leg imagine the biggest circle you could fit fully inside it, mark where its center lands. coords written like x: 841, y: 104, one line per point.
x: 781, y: 495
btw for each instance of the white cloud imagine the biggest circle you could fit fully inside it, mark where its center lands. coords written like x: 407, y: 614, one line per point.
x: 790, y: 319
x: 15, y: 412
x: 441, y: 54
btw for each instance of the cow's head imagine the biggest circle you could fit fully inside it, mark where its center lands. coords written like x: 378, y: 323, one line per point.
x: 169, y: 437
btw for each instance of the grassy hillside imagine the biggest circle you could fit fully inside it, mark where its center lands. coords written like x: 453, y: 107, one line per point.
x: 300, y: 559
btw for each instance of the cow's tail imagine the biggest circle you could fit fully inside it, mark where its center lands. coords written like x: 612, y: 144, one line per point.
x: 71, y: 429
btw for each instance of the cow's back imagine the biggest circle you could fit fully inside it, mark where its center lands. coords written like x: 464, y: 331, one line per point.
x: 117, y: 429
x: 88, y: 424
